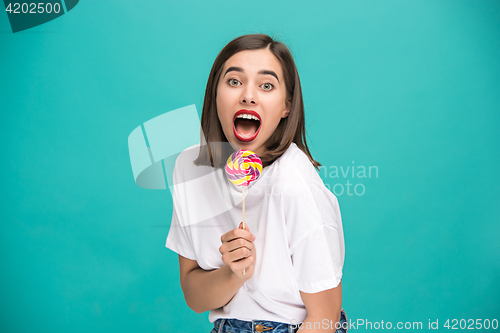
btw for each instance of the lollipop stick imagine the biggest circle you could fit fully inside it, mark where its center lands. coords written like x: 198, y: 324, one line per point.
x: 243, y: 193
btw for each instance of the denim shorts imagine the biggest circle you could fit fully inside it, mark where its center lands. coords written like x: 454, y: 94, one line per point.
x: 226, y: 325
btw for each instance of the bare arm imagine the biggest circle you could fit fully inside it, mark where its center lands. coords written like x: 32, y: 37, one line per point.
x: 323, y: 308
x: 209, y: 290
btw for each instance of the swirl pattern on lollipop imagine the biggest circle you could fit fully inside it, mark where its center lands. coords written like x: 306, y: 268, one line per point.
x: 243, y: 167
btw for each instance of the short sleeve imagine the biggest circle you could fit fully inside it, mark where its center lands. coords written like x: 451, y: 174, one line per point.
x: 317, y: 260
x: 315, y: 234
x: 178, y: 239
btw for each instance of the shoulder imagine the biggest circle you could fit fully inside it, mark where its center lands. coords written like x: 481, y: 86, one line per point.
x: 295, y: 165
x: 299, y: 179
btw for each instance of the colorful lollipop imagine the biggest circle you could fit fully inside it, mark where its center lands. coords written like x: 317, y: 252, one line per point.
x: 242, y: 168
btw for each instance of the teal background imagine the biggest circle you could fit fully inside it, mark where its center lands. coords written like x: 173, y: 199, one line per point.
x: 411, y: 87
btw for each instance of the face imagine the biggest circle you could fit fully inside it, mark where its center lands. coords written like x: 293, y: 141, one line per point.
x: 251, y: 99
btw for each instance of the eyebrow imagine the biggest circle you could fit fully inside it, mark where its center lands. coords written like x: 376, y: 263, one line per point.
x: 263, y: 71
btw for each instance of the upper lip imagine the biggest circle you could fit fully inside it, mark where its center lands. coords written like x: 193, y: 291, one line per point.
x: 243, y: 111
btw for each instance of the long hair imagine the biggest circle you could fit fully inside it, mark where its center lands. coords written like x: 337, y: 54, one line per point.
x: 290, y: 129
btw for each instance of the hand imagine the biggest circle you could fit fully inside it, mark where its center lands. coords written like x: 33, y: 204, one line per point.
x: 238, y: 251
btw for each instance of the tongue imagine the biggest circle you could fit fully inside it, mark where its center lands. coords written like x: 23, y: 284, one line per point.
x: 246, y: 127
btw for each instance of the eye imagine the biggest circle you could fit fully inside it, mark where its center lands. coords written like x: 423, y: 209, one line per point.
x: 267, y: 86
x: 233, y: 82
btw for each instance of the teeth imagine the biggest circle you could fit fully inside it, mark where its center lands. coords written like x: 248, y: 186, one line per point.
x: 248, y: 116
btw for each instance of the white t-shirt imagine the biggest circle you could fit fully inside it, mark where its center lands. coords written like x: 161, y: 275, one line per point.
x: 294, y: 217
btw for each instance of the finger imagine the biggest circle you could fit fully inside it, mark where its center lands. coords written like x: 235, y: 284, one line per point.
x: 240, y: 254
x: 242, y: 264
x: 231, y: 258
x: 239, y: 243
x: 237, y: 233
x: 246, y: 234
x: 245, y: 228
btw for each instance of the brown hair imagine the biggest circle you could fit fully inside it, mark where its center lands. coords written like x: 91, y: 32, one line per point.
x: 290, y: 129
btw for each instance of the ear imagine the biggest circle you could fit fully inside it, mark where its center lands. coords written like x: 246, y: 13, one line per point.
x: 287, y: 108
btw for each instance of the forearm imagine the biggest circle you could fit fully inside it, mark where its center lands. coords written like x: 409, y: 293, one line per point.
x: 323, y: 310
x: 319, y: 325
x: 209, y: 290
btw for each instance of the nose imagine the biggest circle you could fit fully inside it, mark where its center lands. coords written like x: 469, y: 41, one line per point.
x: 249, y: 96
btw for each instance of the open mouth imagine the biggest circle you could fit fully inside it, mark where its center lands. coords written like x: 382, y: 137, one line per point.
x: 246, y: 125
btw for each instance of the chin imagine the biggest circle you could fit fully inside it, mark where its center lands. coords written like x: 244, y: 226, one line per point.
x: 252, y: 146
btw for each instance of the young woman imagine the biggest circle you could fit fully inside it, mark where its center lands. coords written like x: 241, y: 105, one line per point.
x: 285, y: 275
